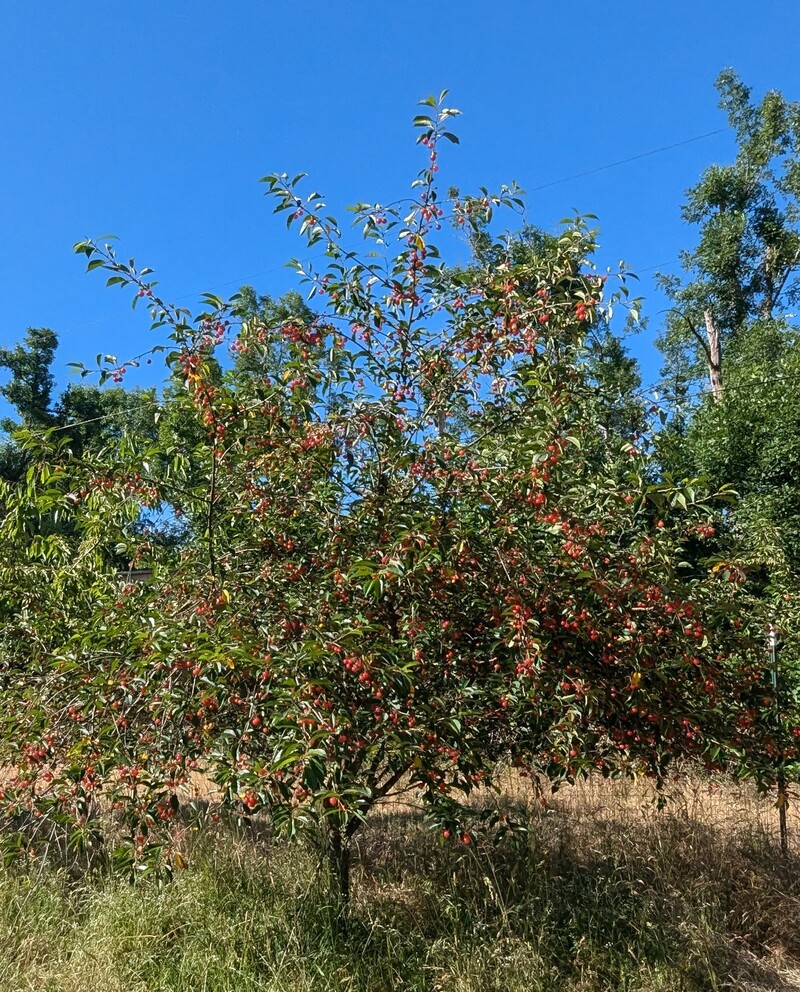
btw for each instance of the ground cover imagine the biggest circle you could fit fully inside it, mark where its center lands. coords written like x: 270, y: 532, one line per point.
x: 604, y: 892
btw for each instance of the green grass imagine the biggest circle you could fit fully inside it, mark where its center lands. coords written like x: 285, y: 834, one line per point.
x: 604, y: 894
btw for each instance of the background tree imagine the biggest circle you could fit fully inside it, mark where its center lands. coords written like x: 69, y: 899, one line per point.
x: 745, y: 265
x: 732, y: 322
x: 88, y: 415
x: 619, y: 411
x: 29, y: 391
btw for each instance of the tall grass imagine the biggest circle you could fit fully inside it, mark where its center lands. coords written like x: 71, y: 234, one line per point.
x: 604, y: 893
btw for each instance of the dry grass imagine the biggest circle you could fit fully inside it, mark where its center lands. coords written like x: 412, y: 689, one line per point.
x: 703, y: 875
x: 604, y: 892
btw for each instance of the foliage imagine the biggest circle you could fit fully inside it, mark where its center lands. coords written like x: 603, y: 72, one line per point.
x: 31, y: 384
x: 751, y: 439
x: 743, y: 275
x: 88, y: 415
x: 746, y: 262
x: 410, y: 554
x: 29, y: 390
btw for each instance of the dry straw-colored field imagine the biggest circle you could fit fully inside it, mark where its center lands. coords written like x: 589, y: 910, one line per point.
x: 604, y: 892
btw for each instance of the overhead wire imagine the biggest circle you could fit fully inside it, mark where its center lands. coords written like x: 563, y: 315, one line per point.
x: 564, y: 179
x: 625, y: 161
x: 555, y: 182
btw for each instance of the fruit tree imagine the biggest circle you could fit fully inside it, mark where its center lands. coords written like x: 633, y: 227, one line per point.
x: 398, y: 565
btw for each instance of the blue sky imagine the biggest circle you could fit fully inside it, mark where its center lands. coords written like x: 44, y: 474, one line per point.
x: 154, y: 121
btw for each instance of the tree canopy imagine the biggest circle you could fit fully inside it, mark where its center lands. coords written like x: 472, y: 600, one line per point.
x: 420, y: 539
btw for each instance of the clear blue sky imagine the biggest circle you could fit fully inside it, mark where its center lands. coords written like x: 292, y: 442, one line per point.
x: 154, y: 121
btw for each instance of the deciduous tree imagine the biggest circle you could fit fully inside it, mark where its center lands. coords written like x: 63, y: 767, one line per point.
x: 402, y: 566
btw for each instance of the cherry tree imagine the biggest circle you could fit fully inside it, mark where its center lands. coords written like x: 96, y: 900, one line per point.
x: 407, y: 558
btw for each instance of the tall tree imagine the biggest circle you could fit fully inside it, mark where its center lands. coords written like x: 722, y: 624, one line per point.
x: 610, y: 373
x: 28, y: 391
x: 30, y: 388
x: 731, y: 324
x: 90, y: 416
x: 746, y: 263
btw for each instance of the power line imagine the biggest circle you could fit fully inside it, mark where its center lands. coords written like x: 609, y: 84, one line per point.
x: 698, y: 389
x: 631, y: 158
x: 658, y: 265
x: 556, y: 182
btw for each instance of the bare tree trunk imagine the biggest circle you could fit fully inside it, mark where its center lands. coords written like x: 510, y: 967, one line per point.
x: 714, y: 355
x: 339, y: 867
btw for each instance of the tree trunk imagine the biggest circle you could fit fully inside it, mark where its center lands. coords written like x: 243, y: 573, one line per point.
x: 714, y: 355
x: 339, y: 868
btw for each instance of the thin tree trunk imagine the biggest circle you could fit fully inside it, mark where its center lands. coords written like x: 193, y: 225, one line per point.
x: 714, y: 355
x: 339, y: 867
